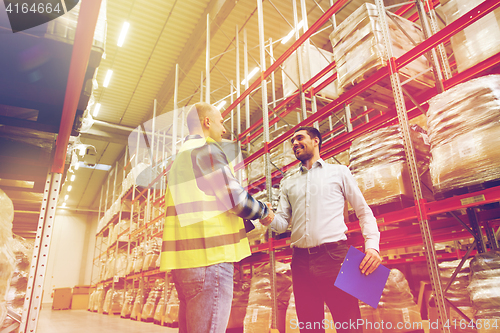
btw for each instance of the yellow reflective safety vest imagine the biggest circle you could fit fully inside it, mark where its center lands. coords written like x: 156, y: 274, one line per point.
x: 210, y: 234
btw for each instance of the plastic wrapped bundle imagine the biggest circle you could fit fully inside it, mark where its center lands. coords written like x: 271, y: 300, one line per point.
x: 241, y: 292
x: 314, y: 60
x: 464, y: 133
x: 137, y: 307
x: 281, y: 156
x: 259, y: 310
x: 7, y: 262
x: 477, y: 42
x: 153, y: 249
x: 152, y: 301
x: 378, y: 163
x: 397, y: 304
x: 139, y: 261
x: 113, y: 303
x: 128, y: 303
x: 22, y: 251
x: 92, y: 300
x: 359, y: 49
x: 172, y: 308
x: 484, y: 285
x: 131, y: 261
x: 98, y: 301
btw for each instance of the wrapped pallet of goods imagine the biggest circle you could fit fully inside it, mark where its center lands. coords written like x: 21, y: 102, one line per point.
x: 162, y: 304
x: 113, y: 302
x: 7, y: 259
x: 258, y: 316
x: 313, y: 60
x: 241, y: 292
x: 457, y: 294
x: 138, y: 303
x: 397, y: 308
x: 172, y: 309
x: 378, y: 163
x: 359, y: 49
x: 464, y: 134
x: 484, y: 290
x: 128, y: 303
x: 477, y: 42
x: 292, y: 324
x: 152, y: 301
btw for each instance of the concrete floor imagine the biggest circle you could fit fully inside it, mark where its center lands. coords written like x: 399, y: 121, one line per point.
x: 82, y: 321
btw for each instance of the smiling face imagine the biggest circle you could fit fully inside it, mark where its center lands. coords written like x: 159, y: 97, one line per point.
x: 303, y: 146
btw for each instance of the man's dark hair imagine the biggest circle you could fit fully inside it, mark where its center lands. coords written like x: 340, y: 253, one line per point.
x: 312, y: 132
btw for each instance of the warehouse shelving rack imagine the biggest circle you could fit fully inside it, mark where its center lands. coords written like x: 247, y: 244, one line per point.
x: 430, y: 231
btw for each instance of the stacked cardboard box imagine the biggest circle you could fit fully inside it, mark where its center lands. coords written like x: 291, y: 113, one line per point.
x: 378, y: 163
x: 464, y: 133
x: 314, y: 60
x: 477, y: 42
x: 359, y: 48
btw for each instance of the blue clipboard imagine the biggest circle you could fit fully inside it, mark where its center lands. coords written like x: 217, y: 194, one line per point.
x: 366, y: 288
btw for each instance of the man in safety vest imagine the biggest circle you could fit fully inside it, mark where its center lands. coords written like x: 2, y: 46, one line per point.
x: 204, y: 233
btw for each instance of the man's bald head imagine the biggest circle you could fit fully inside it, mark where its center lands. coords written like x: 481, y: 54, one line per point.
x: 204, y: 119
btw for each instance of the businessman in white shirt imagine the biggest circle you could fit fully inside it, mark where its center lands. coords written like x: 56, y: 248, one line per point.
x: 312, y: 201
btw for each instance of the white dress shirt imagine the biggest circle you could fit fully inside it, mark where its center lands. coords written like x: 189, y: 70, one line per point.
x: 313, y: 202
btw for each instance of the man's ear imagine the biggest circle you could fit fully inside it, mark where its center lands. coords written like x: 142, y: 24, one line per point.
x: 206, y: 122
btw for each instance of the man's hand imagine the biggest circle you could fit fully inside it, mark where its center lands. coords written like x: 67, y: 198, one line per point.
x: 269, y: 218
x: 370, y: 262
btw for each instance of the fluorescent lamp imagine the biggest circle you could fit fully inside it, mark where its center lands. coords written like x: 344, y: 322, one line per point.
x: 252, y: 73
x: 291, y: 33
x: 96, y: 109
x: 64, y: 204
x: 107, y: 78
x: 66, y: 197
x: 121, y: 39
x: 72, y: 177
x: 221, y: 104
x: 102, y: 167
x: 77, y: 166
x: 69, y: 188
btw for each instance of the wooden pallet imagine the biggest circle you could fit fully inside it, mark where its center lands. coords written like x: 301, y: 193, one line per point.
x: 440, y: 195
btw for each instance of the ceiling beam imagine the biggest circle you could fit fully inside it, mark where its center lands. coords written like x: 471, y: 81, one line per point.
x: 219, y: 10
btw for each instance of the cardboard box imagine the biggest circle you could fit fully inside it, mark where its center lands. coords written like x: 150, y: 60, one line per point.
x: 80, y: 301
x: 62, y: 299
x: 81, y: 290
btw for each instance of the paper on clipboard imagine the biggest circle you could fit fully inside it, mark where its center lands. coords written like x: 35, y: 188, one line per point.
x: 366, y: 288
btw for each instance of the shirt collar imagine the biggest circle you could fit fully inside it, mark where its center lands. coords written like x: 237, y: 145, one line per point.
x: 319, y: 163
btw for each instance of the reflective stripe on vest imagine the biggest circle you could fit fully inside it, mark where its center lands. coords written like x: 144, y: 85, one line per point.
x: 211, y: 234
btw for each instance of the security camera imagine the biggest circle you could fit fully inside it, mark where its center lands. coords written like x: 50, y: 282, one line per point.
x: 90, y: 158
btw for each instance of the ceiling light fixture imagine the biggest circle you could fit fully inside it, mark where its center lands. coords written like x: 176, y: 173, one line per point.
x: 291, y: 33
x: 72, y: 177
x: 123, y: 33
x: 107, y: 78
x: 66, y: 197
x: 77, y: 166
x: 220, y: 105
x: 64, y: 204
x: 250, y: 75
x: 69, y: 188
x: 96, y: 109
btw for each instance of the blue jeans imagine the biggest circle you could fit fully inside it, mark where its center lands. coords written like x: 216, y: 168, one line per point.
x: 313, y: 277
x: 205, y: 295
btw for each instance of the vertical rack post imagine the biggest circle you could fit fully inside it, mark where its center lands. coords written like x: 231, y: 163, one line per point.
x: 238, y: 80
x: 231, y: 83
x: 201, y: 87
x: 273, y: 83
x: 176, y: 110
x: 267, y: 162
x: 34, y: 290
x: 245, y: 64
x: 207, y: 63
x: 430, y: 252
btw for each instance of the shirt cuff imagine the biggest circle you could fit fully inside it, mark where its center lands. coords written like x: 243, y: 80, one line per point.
x: 372, y: 244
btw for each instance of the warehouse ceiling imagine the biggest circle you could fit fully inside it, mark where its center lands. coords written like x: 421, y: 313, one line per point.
x: 161, y: 35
